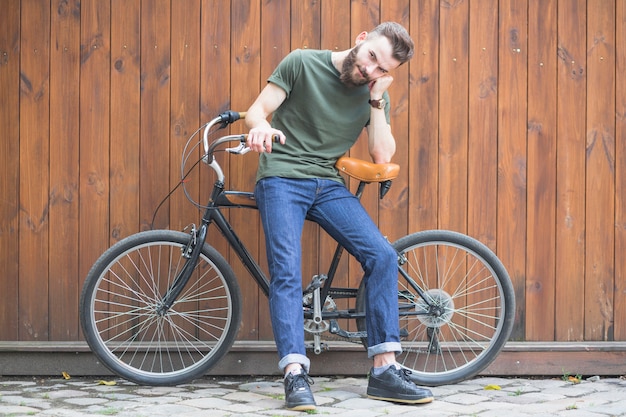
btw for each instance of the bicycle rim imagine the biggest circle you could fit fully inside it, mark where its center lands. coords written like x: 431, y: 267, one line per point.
x: 120, y: 306
x: 466, y: 314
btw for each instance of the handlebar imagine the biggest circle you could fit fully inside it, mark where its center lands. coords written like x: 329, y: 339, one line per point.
x: 224, y: 120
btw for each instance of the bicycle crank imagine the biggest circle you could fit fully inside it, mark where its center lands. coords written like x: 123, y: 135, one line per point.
x: 316, y: 326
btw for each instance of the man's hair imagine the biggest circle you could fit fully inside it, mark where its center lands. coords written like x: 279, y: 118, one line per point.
x: 401, y: 42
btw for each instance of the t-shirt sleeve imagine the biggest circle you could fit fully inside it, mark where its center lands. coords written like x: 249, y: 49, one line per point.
x: 287, y: 71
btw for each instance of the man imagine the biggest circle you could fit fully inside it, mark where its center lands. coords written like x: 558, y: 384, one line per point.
x: 320, y: 101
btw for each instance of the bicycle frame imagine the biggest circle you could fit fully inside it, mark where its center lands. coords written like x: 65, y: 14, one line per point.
x: 221, y: 198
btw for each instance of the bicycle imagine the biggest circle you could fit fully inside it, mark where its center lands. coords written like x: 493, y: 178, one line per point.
x: 161, y: 307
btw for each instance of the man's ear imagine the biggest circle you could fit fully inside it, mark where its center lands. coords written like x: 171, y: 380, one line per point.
x: 360, y: 37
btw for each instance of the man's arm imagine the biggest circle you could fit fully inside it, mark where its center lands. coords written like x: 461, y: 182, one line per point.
x: 261, y: 132
x: 381, y: 142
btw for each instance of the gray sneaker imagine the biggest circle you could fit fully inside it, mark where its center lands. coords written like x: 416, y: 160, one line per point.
x: 395, y: 385
x: 298, y: 395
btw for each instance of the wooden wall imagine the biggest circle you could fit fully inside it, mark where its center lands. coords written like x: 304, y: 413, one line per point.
x: 510, y: 122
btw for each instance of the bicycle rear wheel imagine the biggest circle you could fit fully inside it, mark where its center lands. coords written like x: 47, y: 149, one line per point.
x: 119, y: 309
x: 465, y: 316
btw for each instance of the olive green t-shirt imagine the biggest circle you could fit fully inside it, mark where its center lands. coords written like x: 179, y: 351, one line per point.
x: 321, y: 117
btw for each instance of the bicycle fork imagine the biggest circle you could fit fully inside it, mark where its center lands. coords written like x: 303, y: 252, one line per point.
x: 191, y: 252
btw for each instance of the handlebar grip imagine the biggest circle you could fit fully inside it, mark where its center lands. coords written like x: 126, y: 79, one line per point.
x: 230, y: 116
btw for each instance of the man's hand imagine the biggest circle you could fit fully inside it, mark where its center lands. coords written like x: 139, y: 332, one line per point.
x: 260, y: 139
x: 380, y: 85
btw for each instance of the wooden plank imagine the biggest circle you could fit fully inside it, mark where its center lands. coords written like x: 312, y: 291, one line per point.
x: 364, y: 16
x: 540, y: 245
x: 276, y: 41
x: 34, y: 176
x: 392, y: 210
x: 600, y: 180
x: 453, y: 122
x: 570, y: 208
x: 185, y: 99
x: 306, y: 24
x: 94, y: 133
x: 512, y: 149
x: 9, y: 168
x: 64, y: 172
x: 246, y: 51
x: 155, y: 105
x: 258, y: 358
x: 620, y: 177
x: 424, y: 117
x: 305, y: 34
x: 215, y: 80
x: 125, y: 118
x: 335, y: 36
x: 483, y: 127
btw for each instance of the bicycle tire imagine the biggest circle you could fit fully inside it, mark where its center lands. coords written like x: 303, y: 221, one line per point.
x: 119, y: 318
x: 474, y: 306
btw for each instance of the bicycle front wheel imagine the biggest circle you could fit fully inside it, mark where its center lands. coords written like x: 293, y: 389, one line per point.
x: 457, y: 306
x: 125, y: 326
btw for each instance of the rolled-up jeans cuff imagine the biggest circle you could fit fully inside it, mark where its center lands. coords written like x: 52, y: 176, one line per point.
x: 294, y: 358
x: 384, y: 348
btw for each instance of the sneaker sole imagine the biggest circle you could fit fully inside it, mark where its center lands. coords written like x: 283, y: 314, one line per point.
x: 302, y: 407
x: 424, y: 400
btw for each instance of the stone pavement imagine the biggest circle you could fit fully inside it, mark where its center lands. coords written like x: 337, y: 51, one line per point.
x: 263, y: 397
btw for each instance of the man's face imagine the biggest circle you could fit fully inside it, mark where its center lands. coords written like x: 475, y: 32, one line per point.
x: 367, y: 61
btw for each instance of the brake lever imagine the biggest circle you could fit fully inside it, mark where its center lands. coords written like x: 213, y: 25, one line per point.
x: 241, y: 149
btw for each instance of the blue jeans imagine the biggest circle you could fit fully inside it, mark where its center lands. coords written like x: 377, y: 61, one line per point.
x: 284, y: 204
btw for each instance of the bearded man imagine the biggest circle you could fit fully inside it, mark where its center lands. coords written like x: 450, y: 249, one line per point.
x: 319, y: 102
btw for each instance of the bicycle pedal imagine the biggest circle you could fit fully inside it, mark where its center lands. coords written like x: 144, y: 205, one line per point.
x: 324, y: 346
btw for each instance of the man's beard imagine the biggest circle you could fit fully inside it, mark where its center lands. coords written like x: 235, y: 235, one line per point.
x: 349, y: 65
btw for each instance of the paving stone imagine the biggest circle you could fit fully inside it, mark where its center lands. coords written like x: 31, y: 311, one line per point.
x: 466, y: 399
x: 84, y: 401
x: 206, y: 403
x: 10, y: 410
x: 344, y: 397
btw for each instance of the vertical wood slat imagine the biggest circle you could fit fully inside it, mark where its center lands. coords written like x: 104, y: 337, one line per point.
x: 125, y: 118
x: 185, y: 97
x: 392, y: 214
x: 215, y: 81
x: 540, y: 246
x: 64, y: 169
x: 424, y: 117
x: 245, y: 65
x: 34, y: 173
x: 570, y: 192
x: 512, y: 149
x: 304, y: 34
x: 483, y: 122
x: 10, y: 42
x: 94, y: 105
x: 155, y: 105
x: 276, y: 38
x: 620, y: 174
x: 363, y: 17
x: 600, y: 179
x: 453, y: 124
x: 335, y: 36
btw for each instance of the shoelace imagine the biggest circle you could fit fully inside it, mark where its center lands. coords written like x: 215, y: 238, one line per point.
x: 404, y: 374
x: 298, y: 381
